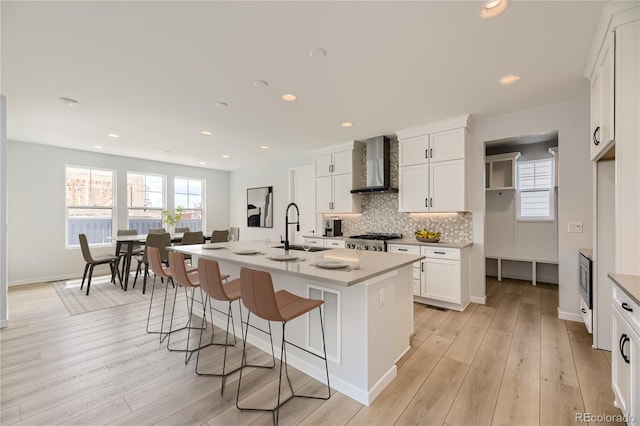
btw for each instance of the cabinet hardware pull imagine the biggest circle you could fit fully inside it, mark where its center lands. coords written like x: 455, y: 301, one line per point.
x: 426, y: 202
x: 426, y: 153
x: 626, y: 307
x: 402, y: 249
x: 431, y: 202
x: 623, y: 340
x: 439, y: 252
x: 595, y: 138
x: 584, y: 311
x: 421, y: 266
x: 430, y: 152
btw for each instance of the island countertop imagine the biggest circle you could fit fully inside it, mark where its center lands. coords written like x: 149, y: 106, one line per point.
x: 369, y: 265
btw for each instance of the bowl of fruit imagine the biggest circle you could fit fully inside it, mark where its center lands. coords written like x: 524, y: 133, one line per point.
x: 426, y: 236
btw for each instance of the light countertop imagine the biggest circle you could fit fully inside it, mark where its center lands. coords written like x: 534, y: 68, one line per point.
x: 630, y: 284
x: 370, y: 264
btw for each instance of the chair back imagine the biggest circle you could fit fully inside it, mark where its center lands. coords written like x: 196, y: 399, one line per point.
x: 160, y: 241
x: 156, y: 231
x: 258, y: 295
x: 219, y: 236
x: 179, y: 269
x: 182, y: 229
x: 127, y: 232
x: 155, y: 262
x: 84, y: 245
x: 210, y: 280
x: 235, y: 231
x: 195, y: 237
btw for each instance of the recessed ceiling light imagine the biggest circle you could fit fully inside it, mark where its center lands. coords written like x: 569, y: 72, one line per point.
x: 264, y: 146
x: 206, y: 132
x: 225, y: 156
x: 70, y: 102
x: 346, y: 124
x: 318, y: 53
x: 97, y: 146
x: 509, y: 79
x: 222, y: 104
x: 113, y: 135
x: 493, y: 8
x: 202, y: 163
x: 260, y: 83
x: 289, y: 97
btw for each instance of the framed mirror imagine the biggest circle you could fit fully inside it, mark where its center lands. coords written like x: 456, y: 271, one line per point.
x: 260, y: 207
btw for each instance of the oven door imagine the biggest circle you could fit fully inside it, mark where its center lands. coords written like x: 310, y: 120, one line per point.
x: 585, y: 280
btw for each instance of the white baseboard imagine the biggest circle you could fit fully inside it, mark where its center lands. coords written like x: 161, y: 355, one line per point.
x: 46, y: 279
x: 569, y: 316
x: 479, y: 300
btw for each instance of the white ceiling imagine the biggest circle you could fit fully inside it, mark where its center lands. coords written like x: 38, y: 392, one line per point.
x: 153, y: 71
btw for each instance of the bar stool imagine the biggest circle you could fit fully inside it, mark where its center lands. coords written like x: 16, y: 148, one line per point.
x: 259, y: 297
x: 211, y: 284
x: 180, y: 276
x: 159, y: 270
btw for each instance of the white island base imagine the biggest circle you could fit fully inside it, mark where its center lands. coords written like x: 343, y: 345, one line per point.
x: 367, y: 324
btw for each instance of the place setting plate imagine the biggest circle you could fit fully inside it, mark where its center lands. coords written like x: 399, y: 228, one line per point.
x: 331, y: 264
x: 283, y: 257
x: 246, y: 252
x: 213, y: 247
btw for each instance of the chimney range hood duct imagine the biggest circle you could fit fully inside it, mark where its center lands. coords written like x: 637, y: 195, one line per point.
x: 378, y: 167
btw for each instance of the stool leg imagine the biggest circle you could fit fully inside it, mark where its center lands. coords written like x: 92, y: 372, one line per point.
x: 153, y: 288
x: 324, y: 348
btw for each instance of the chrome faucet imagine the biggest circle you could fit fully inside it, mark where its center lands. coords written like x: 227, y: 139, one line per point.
x: 287, y: 223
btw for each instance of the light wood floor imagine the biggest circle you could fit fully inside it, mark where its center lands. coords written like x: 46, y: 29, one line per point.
x: 510, y: 361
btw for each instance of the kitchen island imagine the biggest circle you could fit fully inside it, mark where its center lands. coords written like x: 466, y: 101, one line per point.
x: 368, y: 310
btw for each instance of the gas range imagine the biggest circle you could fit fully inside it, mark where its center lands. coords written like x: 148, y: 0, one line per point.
x: 371, y: 241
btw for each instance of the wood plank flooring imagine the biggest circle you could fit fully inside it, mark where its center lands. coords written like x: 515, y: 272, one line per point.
x: 509, y: 362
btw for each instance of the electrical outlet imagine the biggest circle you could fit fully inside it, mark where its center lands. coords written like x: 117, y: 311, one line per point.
x: 575, y: 227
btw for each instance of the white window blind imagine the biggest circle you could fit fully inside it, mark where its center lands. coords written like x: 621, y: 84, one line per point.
x: 535, y: 190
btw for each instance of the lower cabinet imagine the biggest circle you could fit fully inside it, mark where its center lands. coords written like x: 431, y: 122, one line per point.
x: 625, y: 355
x: 334, y: 243
x: 441, y: 279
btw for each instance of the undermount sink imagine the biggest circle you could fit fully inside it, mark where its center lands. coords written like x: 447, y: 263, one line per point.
x: 299, y: 247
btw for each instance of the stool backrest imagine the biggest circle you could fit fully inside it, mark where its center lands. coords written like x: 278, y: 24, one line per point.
x: 179, y: 269
x: 258, y: 295
x: 210, y: 281
x: 155, y: 262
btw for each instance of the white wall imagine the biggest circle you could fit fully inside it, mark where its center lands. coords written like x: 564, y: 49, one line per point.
x: 4, y: 276
x: 36, y: 190
x: 571, y: 120
x: 276, y: 175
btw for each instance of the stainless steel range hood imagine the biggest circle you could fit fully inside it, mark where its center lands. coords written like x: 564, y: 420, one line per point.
x: 378, y: 167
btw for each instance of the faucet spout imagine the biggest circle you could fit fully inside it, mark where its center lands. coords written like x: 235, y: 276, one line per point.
x: 287, y: 223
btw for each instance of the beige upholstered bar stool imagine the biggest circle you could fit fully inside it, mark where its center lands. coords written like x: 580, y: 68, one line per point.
x: 186, y: 280
x: 159, y: 270
x: 259, y: 297
x: 211, y: 284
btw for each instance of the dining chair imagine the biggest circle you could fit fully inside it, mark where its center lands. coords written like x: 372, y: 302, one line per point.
x: 136, y: 250
x: 195, y: 237
x: 187, y: 281
x: 182, y: 230
x: 235, y: 231
x: 161, y: 241
x: 259, y: 297
x: 220, y: 236
x: 93, y: 261
x: 156, y: 231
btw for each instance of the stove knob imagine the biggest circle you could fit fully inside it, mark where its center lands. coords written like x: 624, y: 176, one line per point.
x: 379, y: 248
x: 365, y: 247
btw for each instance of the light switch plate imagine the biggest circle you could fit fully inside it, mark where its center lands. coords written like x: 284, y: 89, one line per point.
x: 575, y: 227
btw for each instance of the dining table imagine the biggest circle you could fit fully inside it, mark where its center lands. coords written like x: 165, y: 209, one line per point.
x: 128, y: 242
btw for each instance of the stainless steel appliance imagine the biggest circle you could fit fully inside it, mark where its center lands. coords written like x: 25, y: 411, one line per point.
x: 333, y: 228
x: 586, y: 280
x: 378, y: 177
x: 372, y: 242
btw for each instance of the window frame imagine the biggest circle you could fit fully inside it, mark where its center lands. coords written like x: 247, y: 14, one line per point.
x: 202, y: 209
x: 551, y: 217
x: 113, y: 208
x: 164, y: 195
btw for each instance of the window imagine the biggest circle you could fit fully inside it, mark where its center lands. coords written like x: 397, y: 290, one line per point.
x: 89, y: 205
x: 145, y: 201
x: 189, y: 195
x: 535, y: 195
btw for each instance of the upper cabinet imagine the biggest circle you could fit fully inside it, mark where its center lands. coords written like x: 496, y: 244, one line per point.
x: 603, y: 98
x: 337, y: 171
x: 433, y: 172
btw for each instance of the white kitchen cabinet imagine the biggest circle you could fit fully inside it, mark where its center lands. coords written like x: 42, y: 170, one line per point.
x: 603, y: 98
x: 337, y: 171
x: 314, y: 241
x: 625, y: 354
x: 433, y: 169
x: 328, y: 242
x: 500, y: 171
x: 407, y: 249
